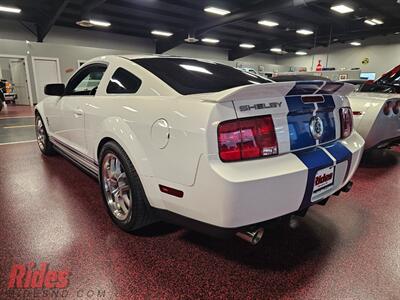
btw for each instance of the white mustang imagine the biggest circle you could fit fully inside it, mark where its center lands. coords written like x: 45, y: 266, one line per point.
x: 200, y: 143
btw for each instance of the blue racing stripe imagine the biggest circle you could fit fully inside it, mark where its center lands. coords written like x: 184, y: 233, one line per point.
x: 341, y: 154
x: 328, y: 104
x: 314, y: 160
x: 328, y: 120
x: 299, y: 117
x: 299, y: 131
x: 330, y: 88
x: 305, y: 88
x: 296, y: 105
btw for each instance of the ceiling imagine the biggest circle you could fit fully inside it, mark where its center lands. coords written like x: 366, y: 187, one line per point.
x: 183, y: 17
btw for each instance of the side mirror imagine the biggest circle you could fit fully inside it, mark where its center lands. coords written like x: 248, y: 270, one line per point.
x: 55, y: 89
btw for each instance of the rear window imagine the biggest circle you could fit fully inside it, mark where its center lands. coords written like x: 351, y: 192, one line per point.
x: 191, y: 76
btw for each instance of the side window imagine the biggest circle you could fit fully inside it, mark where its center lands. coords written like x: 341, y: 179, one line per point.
x: 86, y: 81
x: 123, y: 82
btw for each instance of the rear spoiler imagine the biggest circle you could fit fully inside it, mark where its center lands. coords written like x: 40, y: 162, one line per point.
x: 283, y: 89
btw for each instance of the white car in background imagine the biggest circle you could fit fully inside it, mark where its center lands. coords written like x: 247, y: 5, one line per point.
x: 199, y: 143
x: 376, y: 110
x: 375, y: 105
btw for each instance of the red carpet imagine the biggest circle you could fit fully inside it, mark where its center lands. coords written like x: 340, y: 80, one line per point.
x: 12, y: 111
x: 52, y: 212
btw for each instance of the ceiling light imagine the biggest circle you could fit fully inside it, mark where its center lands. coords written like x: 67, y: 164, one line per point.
x: 304, y: 31
x: 342, y: 9
x: 210, y: 41
x: 277, y: 50
x: 301, y: 53
x: 268, y: 23
x: 397, y: 33
x: 377, y: 21
x: 13, y: 10
x: 356, y: 44
x: 369, y: 22
x: 100, y: 23
x: 217, y: 11
x: 247, y: 46
x: 161, y: 33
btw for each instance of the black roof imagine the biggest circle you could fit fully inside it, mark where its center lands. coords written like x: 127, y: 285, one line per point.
x: 183, y: 17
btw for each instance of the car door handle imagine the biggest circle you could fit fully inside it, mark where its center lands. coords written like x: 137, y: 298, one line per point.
x: 78, y: 113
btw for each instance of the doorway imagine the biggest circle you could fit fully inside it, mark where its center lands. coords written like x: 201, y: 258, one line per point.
x: 46, y: 70
x: 15, y: 81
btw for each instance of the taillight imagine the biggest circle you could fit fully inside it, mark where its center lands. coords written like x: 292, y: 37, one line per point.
x: 346, y: 121
x: 247, y: 138
x: 396, y: 107
x: 387, y: 107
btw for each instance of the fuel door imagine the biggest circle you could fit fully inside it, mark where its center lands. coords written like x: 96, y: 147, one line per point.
x: 160, y: 133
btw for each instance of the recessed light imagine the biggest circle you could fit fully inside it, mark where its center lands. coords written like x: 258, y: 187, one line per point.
x: 217, y: 11
x: 268, y: 23
x: 356, y: 44
x: 9, y: 9
x: 247, y: 46
x: 342, y: 9
x: 100, y: 23
x: 210, y: 41
x: 161, y: 33
x: 276, y: 50
x: 369, y: 22
x: 301, y: 53
x: 304, y: 31
x: 377, y: 21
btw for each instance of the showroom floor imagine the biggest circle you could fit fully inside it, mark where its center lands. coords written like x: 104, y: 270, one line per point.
x: 52, y: 212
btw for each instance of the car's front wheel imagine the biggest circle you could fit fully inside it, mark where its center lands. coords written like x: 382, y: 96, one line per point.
x: 122, y: 189
x: 42, y: 137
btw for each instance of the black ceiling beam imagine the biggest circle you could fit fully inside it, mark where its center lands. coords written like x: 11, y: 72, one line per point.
x: 44, y: 26
x: 88, y: 6
x: 264, y: 7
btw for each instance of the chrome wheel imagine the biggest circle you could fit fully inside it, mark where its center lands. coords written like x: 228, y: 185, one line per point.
x: 116, y: 187
x: 40, y: 134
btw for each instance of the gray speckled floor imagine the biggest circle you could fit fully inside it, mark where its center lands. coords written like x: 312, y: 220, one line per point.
x: 17, y: 130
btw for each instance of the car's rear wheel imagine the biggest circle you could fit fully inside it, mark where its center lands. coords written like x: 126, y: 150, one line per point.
x: 122, y: 189
x: 2, y: 100
x: 42, y: 137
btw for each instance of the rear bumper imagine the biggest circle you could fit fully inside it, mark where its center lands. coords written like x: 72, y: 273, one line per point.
x: 10, y: 97
x: 234, y: 195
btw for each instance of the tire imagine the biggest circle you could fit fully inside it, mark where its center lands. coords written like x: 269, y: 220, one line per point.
x: 129, y: 213
x: 45, y: 146
x: 2, y: 100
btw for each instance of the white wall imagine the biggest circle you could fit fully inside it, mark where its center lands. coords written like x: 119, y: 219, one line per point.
x: 383, y: 54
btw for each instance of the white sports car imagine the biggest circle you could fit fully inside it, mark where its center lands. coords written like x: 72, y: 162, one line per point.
x: 200, y: 143
x: 376, y: 111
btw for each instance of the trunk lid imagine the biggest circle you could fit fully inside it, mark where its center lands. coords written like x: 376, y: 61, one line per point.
x: 295, y: 108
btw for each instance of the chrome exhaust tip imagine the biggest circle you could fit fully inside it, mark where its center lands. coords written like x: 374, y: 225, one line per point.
x: 252, y: 237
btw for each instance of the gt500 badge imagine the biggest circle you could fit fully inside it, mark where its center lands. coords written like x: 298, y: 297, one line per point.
x: 260, y: 106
